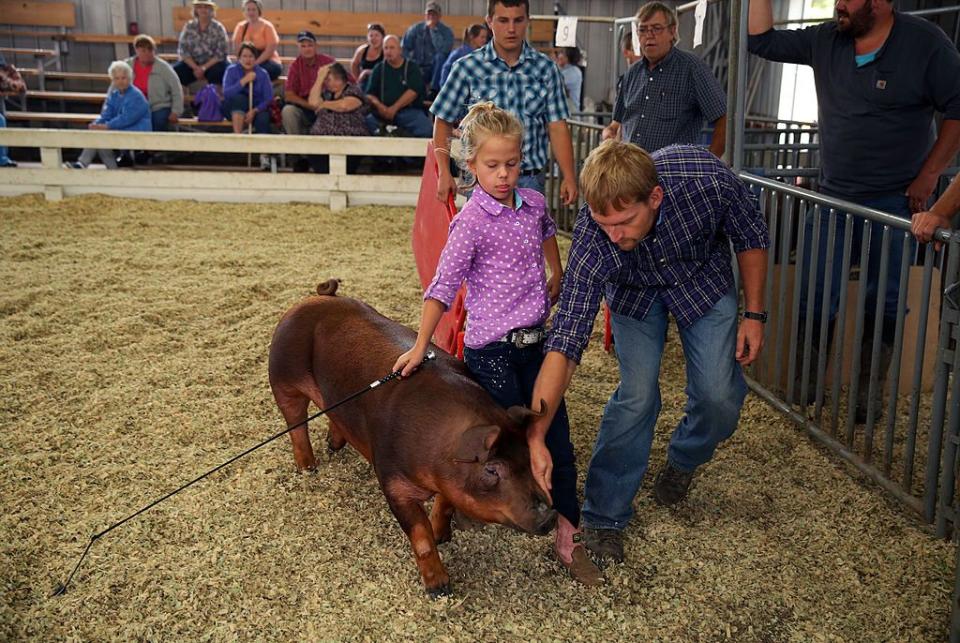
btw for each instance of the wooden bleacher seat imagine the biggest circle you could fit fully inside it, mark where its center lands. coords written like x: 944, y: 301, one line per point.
x: 76, y: 97
x: 66, y: 75
x: 36, y: 53
x: 349, y: 24
x: 84, y: 119
x: 38, y: 14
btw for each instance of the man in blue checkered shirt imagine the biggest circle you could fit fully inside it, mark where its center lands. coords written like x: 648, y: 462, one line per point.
x: 669, y: 93
x: 519, y: 79
x: 654, y: 239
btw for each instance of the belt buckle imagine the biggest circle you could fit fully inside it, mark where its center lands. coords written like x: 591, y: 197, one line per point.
x: 526, y: 337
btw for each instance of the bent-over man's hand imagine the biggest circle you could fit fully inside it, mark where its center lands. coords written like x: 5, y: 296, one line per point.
x: 541, y: 464
x: 749, y: 341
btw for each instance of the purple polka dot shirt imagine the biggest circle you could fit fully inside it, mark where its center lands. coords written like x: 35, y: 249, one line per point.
x: 498, y: 251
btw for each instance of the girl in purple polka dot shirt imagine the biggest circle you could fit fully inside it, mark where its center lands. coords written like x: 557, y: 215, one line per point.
x: 499, y: 244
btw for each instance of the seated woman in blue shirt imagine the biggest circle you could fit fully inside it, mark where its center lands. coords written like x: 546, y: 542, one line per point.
x: 474, y: 37
x: 126, y: 108
x: 241, y: 105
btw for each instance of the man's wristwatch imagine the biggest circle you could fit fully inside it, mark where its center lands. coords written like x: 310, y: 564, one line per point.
x: 760, y: 317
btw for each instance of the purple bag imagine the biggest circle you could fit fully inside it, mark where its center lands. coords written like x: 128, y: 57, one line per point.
x: 207, y: 103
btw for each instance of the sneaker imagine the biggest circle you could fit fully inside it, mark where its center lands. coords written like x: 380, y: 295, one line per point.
x: 125, y: 159
x: 605, y: 544
x: 265, y: 164
x: 76, y: 165
x: 581, y: 568
x: 8, y: 163
x: 671, y: 485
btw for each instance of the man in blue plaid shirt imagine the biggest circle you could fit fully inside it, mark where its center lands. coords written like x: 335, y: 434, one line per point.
x: 519, y: 79
x: 654, y: 239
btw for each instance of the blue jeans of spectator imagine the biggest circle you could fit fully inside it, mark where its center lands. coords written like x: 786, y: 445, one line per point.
x: 508, y: 374
x: 4, y: 159
x: 239, y: 103
x: 213, y: 75
x: 715, y: 393
x: 160, y: 119
x: 888, y: 285
x: 273, y: 68
x: 413, y: 120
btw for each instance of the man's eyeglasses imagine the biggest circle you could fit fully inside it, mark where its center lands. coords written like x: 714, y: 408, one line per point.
x: 655, y: 30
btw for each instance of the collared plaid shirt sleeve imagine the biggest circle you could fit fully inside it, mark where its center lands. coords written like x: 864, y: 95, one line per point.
x: 580, y: 295
x: 743, y: 223
x: 452, y: 100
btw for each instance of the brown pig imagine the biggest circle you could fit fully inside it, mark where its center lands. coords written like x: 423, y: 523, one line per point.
x: 434, y: 434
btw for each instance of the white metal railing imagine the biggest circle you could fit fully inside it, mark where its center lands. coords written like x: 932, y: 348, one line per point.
x: 337, y: 188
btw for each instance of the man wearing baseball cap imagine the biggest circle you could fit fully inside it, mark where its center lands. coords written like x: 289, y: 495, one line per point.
x: 297, y: 114
x: 428, y: 44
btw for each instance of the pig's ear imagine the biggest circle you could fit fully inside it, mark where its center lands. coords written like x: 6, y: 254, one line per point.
x: 475, y: 444
x: 521, y: 414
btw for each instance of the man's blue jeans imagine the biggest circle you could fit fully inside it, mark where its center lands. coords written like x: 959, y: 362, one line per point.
x: 888, y: 284
x: 715, y: 392
x: 413, y: 120
x: 160, y: 119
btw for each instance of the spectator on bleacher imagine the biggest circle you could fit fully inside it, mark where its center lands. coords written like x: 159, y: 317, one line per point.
x: 474, y: 37
x: 243, y: 106
x: 428, y: 44
x: 307, y: 70
x: 202, y: 47
x: 10, y: 83
x: 395, y: 89
x: 126, y: 108
x: 262, y: 34
x: 340, y: 105
x: 159, y: 83
x: 5, y: 160
x: 366, y: 57
x: 666, y: 97
x: 568, y: 60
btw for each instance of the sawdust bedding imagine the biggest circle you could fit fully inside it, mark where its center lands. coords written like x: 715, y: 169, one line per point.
x: 134, y: 348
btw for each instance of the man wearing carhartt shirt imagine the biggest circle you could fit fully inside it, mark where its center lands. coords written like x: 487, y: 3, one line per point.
x: 880, y: 75
x: 654, y: 239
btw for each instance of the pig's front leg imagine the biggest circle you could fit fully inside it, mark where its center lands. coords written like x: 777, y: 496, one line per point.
x: 406, y: 503
x: 440, y: 516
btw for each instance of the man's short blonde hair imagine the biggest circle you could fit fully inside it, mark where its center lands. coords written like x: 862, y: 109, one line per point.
x: 617, y: 174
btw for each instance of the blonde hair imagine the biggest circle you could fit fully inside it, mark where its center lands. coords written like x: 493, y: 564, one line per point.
x: 618, y: 174
x: 482, y: 121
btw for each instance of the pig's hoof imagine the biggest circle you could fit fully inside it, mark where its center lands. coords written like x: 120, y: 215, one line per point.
x: 437, y: 592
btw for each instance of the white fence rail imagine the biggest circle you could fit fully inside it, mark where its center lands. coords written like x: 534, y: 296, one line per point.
x: 336, y: 189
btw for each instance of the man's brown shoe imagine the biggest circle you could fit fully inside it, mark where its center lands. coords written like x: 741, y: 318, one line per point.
x: 606, y: 545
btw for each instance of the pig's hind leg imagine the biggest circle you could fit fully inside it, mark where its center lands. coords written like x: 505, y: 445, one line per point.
x: 406, y: 503
x: 293, y: 405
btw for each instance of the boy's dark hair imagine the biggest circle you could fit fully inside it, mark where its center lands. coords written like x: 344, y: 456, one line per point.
x: 573, y: 55
x: 491, y: 4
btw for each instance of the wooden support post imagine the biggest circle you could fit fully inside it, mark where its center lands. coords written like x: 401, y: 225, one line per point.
x: 338, y: 169
x: 118, y: 24
x: 51, y: 158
